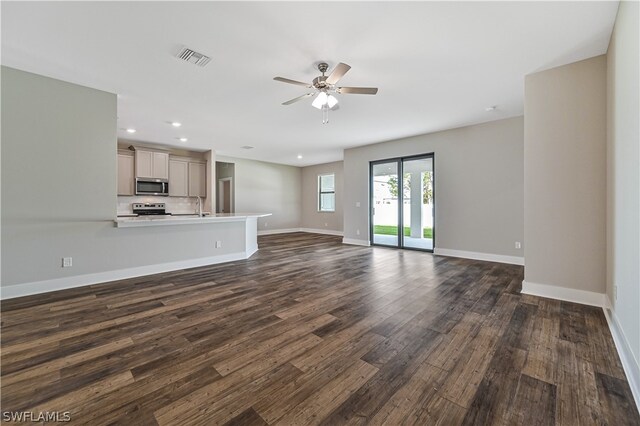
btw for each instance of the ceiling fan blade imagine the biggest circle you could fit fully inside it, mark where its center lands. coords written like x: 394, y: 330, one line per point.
x: 358, y: 90
x: 338, y: 72
x: 299, y: 98
x: 287, y: 80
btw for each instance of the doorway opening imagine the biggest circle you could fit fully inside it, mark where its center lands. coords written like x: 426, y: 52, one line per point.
x: 225, y: 176
x: 402, y: 203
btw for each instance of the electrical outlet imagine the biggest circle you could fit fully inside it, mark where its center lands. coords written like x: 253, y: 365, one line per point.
x: 67, y: 262
x: 326, y: 224
x: 357, y: 203
x: 266, y: 224
x: 357, y: 232
x: 518, y: 245
x: 218, y: 244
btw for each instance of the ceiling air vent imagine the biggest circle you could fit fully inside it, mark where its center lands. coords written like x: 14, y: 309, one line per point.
x: 193, y: 57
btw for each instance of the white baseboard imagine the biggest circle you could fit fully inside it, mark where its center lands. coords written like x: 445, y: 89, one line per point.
x: 513, y: 260
x: 562, y: 293
x: 278, y: 231
x: 322, y: 231
x: 56, y: 284
x: 355, y: 242
x: 629, y: 363
x: 249, y: 253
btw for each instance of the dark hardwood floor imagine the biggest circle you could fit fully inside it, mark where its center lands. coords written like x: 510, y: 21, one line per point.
x: 310, y: 331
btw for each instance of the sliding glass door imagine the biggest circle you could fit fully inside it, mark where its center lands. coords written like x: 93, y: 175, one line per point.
x: 417, y: 203
x: 384, y: 205
x: 402, y: 202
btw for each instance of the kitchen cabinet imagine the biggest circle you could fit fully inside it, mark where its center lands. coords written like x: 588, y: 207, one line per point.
x: 152, y: 164
x: 178, y: 178
x: 160, y: 165
x: 187, y: 177
x: 144, y: 163
x: 125, y: 174
x: 197, y: 179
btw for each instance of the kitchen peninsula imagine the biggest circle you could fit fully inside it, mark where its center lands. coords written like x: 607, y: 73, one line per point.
x: 246, y: 235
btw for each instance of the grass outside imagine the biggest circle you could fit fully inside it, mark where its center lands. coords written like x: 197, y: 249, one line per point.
x: 393, y: 230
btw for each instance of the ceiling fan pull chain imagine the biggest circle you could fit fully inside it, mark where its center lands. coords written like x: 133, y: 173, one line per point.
x: 325, y: 114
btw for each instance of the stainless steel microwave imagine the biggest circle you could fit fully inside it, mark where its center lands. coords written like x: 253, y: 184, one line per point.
x: 149, y: 186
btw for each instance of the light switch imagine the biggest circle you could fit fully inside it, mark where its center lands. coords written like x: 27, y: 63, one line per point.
x: 357, y: 203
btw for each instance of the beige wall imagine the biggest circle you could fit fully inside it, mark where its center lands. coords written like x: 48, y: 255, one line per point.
x: 478, y: 185
x: 623, y: 175
x: 59, y: 190
x: 564, y: 169
x: 262, y: 187
x: 311, y: 217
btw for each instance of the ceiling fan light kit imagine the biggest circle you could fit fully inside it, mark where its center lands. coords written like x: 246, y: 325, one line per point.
x: 320, y: 100
x: 325, y: 88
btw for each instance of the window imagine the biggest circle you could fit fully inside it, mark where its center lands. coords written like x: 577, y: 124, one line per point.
x: 326, y: 193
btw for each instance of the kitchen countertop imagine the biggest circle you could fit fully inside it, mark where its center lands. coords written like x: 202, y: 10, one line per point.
x: 137, y: 221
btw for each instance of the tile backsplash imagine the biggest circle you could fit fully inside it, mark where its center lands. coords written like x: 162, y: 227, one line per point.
x: 173, y: 204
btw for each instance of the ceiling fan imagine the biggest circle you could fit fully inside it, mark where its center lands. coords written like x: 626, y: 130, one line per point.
x: 325, y: 88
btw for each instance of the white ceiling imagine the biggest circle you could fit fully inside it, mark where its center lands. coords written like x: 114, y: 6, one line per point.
x: 438, y: 65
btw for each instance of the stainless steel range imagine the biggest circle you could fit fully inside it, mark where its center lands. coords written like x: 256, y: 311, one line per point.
x: 148, y: 209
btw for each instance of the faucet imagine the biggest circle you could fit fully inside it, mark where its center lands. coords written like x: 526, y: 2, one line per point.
x: 199, y: 206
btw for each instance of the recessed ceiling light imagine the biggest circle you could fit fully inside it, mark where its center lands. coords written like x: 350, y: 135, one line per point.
x: 176, y: 124
x: 131, y: 130
x: 246, y: 147
x: 183, y: 139
x: 491, y: 108
x: 299, y: 156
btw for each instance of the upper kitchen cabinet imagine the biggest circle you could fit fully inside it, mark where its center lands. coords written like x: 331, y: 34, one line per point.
x: 178, y: 178
x: 160, y: 165
x: 187, y: 177
x: 125, y: 174
x: 197, y: 179
x: 152, y: 164
x: 144, y: 163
